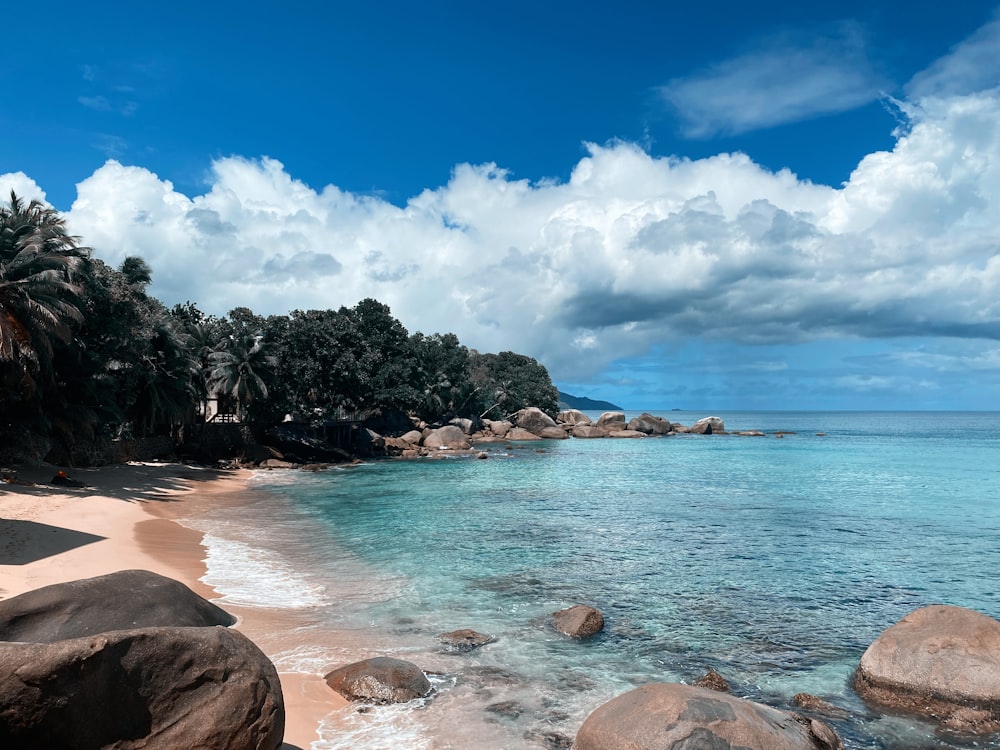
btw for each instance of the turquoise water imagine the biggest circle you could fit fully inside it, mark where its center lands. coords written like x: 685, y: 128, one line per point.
x: 774, y: 561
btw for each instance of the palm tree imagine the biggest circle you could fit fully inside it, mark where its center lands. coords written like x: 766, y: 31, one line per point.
x: 39, y: 299
x: 240, y: 369
x: 168, y: 391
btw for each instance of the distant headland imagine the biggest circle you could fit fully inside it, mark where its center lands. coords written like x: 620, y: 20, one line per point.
x: 566, y: 401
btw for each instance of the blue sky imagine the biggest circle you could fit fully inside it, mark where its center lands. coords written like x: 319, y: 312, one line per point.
x: 722, y: 206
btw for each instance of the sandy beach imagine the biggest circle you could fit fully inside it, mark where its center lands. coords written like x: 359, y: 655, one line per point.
x: 123, y: 519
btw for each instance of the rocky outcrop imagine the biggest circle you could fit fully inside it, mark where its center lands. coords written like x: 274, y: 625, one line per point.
x: 498, y: 428
x: 553, y: 433
x: 464, y: 640
x: 119, y: 601
x: 578, y: 622
x: 611, y: 420
x: 709, y: 426
x: 670, y: 717
x: 626, y: 434
x: 588, y: 431
x: 145, y: 688
x: 380, y: 680
x: 519, y: 433
x: 939, y: 662
x: 650, y: 425
x: 533, y: 420
x: 572, y: 417
x: 448, y: 437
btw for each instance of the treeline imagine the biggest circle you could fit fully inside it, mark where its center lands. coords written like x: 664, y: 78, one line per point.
x: 86, y: 354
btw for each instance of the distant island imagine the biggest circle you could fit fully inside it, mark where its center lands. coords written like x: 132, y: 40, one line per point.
x: 583, y: 403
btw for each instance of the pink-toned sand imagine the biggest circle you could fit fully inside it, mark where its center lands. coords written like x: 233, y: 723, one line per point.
x: 122, y: 520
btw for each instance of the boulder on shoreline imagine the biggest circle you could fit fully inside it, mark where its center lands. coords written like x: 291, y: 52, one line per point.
x: 380, y: 680
x: 709, y: 426
x: 124, y: 600
x: 448, y: 437
x: 662, y: 716
x: 533, y: 420
x: 939, y: 662
x: 144, y: 688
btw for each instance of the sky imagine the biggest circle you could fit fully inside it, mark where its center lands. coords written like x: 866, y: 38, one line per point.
x: 709, y: 206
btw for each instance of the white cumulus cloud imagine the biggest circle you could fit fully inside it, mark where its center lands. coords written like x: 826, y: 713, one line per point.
x: 631, y: 252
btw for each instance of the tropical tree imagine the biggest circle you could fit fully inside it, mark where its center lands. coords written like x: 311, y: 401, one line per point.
x: 39, y: 297
x: 241, y: 369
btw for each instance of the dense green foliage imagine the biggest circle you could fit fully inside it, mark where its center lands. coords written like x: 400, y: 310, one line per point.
x: 87, y: 355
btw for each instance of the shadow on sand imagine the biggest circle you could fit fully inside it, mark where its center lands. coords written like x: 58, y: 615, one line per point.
x: 28, y: 541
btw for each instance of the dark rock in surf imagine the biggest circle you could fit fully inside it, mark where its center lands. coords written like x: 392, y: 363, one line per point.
x: 713, y: 681
x: 579, y: 621
x: 380, y: 680
x: 664, y: 716
x: 118, y: 601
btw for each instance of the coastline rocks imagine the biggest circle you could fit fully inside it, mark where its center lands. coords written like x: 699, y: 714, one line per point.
x: 611, y: 420
x: 664, y: 716
x: 499, y: 428
x: 940, y: 662
x: 572, y: 417
x: 145, y: 688
x: 579, y: 621
x: 588, y: 431
x: 380, y: 680
x: 650, y: 425
x: 464, y: 640
x: 448, y: 437
x: 627, y: 434
x: 553, y: 433
x: 519, y: 433
x: 124, y: 600
x: 533, y: 420
x: 709, y: 426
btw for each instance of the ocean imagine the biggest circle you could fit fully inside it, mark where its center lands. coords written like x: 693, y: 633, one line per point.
x: 775, y: 561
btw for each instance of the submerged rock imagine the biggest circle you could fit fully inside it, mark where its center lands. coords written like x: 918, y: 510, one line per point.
x: 144, y: 688
x: 670, y: 717
x: 939, y: 662
x: 380, y: 680
x: 465, y: 639
x: 118, y: 601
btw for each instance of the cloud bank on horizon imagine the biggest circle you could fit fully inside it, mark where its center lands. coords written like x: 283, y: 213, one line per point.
x: 633, y: 253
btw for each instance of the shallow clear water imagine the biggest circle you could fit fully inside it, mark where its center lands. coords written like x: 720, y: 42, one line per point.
x: 775, y: 561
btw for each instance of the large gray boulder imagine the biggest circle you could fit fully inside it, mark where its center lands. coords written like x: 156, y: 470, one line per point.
x: 572, y: 417
x: 681, y: 717
x: 380, y: 680
x: 650, y: 425
x: 553, y: 433
x: 118, y: 601
x: 533, y: 420
x: 939, y: 662
x: 448, y: 437
x: 709, y: 426
x: 141, y: 689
